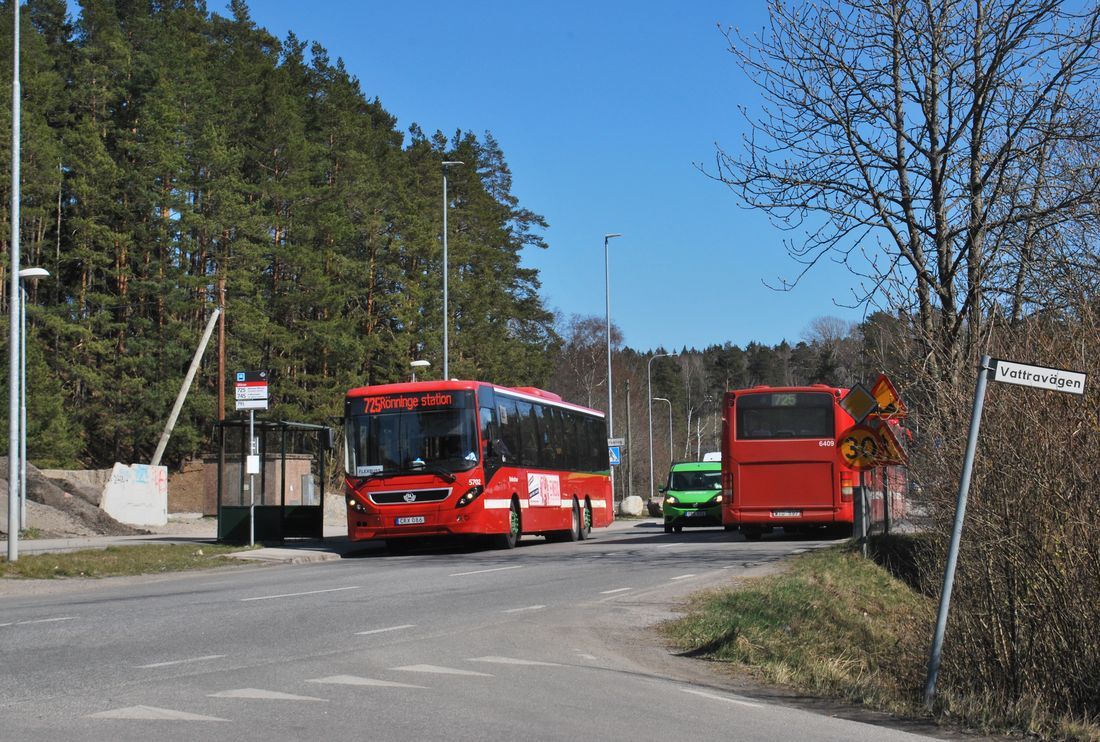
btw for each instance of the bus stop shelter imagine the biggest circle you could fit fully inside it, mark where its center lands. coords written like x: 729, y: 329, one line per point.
x: 289, y: 488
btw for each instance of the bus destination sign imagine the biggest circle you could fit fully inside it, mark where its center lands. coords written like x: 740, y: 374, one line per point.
x: 407, y: 402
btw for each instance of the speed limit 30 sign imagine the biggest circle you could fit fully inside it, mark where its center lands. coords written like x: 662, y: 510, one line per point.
x: 860, y: 447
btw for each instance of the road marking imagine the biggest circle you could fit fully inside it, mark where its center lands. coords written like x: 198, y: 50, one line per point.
x: 151, y: 713
x: 436, y: 669
x: 260, y: 694
x: 388, y: 628
x: 38, y: 620
x: 681, y: 577
x: 181, y: 662
x: 668, y: 546
x: 586, y: 656
x: 355, y: 680
x: 525, y: 608
x: 618, y: 590
x: 721, y: 698
x: 483, y: 571
x: 295, y: 595
x: 513, y: 661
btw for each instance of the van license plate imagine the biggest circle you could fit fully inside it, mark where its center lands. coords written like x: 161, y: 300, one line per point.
x: 410, y: 520
x: 786, y: 513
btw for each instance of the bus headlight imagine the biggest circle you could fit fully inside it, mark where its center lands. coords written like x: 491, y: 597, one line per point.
x: 716, y: 500
x: 355, y: 505
x: 671, y: 500
x: 469, y: 496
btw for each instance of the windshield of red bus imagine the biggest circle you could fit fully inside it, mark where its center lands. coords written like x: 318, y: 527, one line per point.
x: 407, y: 432
x: 772, y: 415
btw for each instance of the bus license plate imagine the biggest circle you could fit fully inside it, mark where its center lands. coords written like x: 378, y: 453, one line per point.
x: 786, y: 513
x: 410, y: 520
x: 694, y: 512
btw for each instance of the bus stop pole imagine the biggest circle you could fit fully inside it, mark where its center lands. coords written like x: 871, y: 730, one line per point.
x: 956, y: 532
x: 251, y: 478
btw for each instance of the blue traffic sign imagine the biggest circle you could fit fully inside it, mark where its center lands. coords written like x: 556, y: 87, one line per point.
x: 613, y: 455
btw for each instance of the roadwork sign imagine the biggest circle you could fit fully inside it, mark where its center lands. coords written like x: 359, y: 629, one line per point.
x: 1055, y: 379
x: 889, y: 401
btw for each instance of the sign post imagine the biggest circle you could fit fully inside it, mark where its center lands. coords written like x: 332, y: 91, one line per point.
x: 1008, y: 372
x: 250, y: 392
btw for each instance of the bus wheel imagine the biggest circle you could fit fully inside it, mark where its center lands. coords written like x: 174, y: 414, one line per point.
x: 511, y: 538
x: 752, y: 534
x: 576, y: 527
x: 730, y: 528
x: 668, y: 528
x: 586, y: 523
x: 678, y: 529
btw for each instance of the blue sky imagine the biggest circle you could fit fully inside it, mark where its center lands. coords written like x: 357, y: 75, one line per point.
x: 603, y: 110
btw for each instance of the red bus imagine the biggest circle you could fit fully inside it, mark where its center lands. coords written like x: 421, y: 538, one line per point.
x: 451, y: 458
x: 780, y: 465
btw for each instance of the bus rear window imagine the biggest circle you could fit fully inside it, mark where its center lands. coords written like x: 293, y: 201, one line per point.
x: 779, y: 415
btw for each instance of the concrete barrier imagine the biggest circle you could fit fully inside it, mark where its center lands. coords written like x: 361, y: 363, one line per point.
x: 137, y: 495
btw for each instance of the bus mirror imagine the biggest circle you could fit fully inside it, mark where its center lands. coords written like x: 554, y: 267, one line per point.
x: 328, y: 439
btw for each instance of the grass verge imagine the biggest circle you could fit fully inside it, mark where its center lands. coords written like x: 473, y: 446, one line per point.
x: 833, y: 624
x: 837, y: 625
x: 119, y: 560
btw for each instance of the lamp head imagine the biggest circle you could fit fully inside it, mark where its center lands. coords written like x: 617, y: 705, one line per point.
x: 420, y: 364
x: 606, y: 237
x: 452, y: 162
x: 34, y: 273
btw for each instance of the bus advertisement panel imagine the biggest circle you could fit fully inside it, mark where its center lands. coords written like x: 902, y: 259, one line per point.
x: 450, y: 458
x: 779, y: 460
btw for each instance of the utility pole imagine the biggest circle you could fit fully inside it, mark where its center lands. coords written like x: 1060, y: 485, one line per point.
x: 221, y: 348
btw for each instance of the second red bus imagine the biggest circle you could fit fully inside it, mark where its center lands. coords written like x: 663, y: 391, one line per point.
x: 780, y: 465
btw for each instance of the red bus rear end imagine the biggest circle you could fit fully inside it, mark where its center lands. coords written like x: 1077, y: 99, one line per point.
x: 779, y: 460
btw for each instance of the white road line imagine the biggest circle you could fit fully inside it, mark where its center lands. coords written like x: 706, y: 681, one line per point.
x: 483, y: 571
x: 668, y: 546
x: 721, y: 698
x: 38, y: 620
x: 388, y: 628
x: 681, y: 577
x: 525, y: 608
x: 151, y: 713
x: 182, y: 662
x: 513, y: 661
x: 356, y: 680
x: 438, y: 670
x: 618, y: 590
x: 264, y: 695
x: 295, y: 595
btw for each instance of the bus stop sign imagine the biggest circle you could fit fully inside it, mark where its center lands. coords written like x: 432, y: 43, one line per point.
x: 613, y: 455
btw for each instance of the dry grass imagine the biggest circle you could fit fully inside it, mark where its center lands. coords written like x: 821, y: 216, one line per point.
x: 119, y: 560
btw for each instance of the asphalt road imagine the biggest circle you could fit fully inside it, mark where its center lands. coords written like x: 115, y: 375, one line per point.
x: 549, y: 641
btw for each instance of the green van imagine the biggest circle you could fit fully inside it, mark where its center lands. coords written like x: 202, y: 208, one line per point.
x: 693, y: 495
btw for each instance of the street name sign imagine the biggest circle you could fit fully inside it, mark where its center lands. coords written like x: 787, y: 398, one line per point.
x: 1040, y: 377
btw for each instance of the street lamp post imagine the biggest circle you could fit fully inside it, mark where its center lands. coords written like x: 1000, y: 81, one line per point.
x: 649, y: 394
x: 32, y: 275
x: 14, y: 301
x: 418, y: 364
x: 446, y: 364
x: 662, y: 399
x: 607, y: 309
